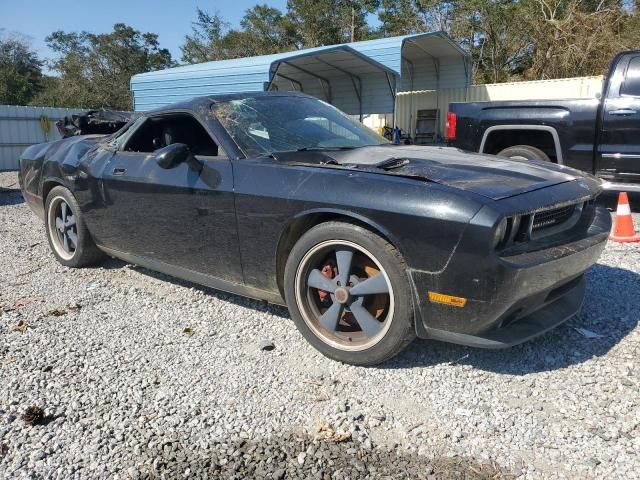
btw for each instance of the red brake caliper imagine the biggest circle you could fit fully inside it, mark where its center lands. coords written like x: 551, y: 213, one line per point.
x: 328, y: 271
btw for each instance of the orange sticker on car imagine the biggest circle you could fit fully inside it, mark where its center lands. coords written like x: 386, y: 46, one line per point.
x: 447, y: 299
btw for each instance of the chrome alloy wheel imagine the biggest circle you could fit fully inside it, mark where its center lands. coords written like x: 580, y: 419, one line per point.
x: 344, y: 295
x: 62, y: 228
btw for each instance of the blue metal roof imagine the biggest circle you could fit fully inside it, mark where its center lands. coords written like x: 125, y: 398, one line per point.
x: 336, y: 66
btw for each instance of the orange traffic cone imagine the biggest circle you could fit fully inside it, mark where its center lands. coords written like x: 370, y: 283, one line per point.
x: 623, y: 230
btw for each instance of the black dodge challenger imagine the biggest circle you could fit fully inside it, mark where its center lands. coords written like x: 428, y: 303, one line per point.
x: 281, y: 197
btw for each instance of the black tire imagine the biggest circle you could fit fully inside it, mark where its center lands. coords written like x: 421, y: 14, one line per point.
x: 526, y: 152
x: 71, y: 226
x: 393, y: 336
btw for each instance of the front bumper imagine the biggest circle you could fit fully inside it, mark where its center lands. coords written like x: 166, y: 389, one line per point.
x: 510, y: 299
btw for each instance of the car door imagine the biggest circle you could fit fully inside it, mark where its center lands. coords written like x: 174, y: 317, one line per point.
x: 183, y: 216
x: 619, y: 149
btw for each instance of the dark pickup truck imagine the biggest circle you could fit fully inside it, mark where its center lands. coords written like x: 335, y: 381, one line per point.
x: 600, y: 135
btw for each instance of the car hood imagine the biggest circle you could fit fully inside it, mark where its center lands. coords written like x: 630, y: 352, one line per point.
x: 488, y: 175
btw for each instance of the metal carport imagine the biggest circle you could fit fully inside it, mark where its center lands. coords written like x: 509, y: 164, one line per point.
x: 359, y: 78
x: 339, y: 75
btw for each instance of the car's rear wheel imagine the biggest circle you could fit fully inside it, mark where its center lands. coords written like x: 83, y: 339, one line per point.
x: 349, y: 295
x: 68, y: 236
x: 524, y: 152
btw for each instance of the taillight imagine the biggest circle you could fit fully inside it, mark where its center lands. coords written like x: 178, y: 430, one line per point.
x: 450, y: 128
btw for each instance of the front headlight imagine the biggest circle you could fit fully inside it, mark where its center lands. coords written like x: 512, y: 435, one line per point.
x: 500, y: 233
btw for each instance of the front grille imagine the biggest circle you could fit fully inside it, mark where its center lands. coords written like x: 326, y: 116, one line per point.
x: 550, y: 218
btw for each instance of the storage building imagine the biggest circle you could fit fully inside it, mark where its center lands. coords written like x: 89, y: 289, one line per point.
x: 359, y: 78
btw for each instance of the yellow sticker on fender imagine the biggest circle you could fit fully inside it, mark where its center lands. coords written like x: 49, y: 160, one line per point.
x: 447, y: 299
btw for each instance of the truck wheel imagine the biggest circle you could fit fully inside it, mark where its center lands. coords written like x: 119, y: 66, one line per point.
x: 524, y: 152
x: 349, y: 295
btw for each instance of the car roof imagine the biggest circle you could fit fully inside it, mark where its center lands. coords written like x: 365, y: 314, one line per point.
x: 197, y: 103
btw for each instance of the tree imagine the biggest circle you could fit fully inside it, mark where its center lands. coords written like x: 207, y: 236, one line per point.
x: 204, y: 43
x: 492, y: 32
x: 95, y: 69
x: 574, y: 38
x: 399, y: 17
x: 269, y: 31
x: 20, y: 71
x: 264, y: 30
x: 402, y: 17
x: 507, y: 39
x: 328, y: 22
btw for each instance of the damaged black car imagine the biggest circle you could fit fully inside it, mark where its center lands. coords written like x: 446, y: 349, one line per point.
x: 281, y: 197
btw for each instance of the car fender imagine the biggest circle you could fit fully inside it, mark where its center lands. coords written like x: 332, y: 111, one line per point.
x: 375, y: 226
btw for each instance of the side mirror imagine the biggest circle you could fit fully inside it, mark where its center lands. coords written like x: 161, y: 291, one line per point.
x: 173, y: 155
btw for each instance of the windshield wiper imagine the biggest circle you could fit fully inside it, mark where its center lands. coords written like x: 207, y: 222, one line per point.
x: 314, y: 149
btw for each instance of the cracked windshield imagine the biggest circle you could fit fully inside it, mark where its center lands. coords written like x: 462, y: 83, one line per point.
x: 265, y: 125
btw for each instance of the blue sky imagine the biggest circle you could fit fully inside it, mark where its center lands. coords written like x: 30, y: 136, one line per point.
x: 170, y: 19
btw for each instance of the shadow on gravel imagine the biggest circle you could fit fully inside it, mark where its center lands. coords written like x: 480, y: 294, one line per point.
x: 294, y: 456
x: 258, y: 305
x: 611, y: 310
x: 9, y: 196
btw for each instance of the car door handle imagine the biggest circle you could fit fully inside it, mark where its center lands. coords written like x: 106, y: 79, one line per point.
x: 119, y: 171
x: 622, y: 111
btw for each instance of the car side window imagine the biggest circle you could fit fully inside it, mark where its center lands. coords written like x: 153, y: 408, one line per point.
x: 121, y: 137
x: 631, y: 85
x: 158, y: 132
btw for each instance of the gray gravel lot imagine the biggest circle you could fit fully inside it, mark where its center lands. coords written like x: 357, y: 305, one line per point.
x: 153, y: 377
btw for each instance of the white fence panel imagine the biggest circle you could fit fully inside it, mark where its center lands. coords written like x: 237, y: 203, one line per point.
x: 21, y: 127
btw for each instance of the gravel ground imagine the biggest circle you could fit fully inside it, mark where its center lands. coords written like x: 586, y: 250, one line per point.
x: 140, y: 375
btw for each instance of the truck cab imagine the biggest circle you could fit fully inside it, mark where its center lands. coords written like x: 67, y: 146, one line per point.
x: 617, y: 153
x: 599, y: 135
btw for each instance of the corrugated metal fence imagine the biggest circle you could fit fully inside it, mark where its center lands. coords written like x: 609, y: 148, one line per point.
x: 408, y: 104
x: 24, y: 126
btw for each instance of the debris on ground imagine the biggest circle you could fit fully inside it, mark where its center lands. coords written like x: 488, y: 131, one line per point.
x: 20, y: 327
x: 322, y: 397
x: 188, y: 331
x: 56, y: 312
x: 23, y: 302
x: 587, y: 333
x: 267, y: 346
x: 33, y: 415
x: 323, y: 431
x: 456, y: 362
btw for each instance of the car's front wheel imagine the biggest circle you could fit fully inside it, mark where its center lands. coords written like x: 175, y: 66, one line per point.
x: 68, y: 236
x: 349, y: 295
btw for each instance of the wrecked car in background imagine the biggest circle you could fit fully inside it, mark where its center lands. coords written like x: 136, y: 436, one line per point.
x: 279, y: 196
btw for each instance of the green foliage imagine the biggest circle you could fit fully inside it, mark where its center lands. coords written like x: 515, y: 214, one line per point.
x: 327, y: 22
x: 95, y: 69
x: 400, y: 17
x: 523, y: 39
x: 264, y: 30
x: 20, y: 72
x: 507, y: 39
